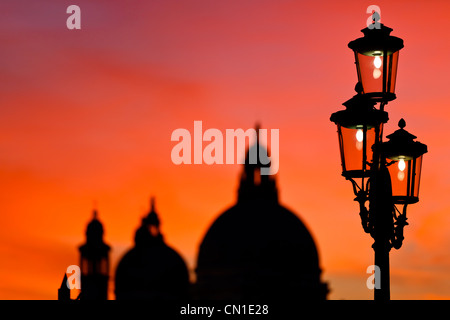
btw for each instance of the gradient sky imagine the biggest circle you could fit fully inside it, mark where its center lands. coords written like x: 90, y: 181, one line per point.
x: 86, y: 117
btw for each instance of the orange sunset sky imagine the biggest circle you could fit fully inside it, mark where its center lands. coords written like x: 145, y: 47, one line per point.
x: 86, y: 117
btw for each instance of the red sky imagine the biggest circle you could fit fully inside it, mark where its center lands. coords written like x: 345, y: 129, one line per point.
x: 86, y: 115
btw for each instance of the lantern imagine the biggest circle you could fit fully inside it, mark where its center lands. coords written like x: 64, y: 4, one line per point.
x: 359, y: 126
x: 376, y: 58
x: 405, y: 168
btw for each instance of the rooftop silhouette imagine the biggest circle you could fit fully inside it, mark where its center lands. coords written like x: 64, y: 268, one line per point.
x: 257, y: 249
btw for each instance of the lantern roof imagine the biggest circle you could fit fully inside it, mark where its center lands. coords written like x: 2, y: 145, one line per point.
x: 360, y: 110
x: 401, y: 143
x: 376, y: 41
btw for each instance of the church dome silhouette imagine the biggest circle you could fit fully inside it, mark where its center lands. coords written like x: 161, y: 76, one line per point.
x: 151, y: 270
x: 258, y: 249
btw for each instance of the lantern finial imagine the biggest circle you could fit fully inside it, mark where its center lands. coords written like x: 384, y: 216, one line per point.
x: 359, y: 88
x: 402, y: 123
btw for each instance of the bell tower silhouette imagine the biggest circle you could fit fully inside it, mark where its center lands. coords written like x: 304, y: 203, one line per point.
x: 94, y: 263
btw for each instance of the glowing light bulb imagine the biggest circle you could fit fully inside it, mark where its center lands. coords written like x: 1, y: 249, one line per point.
x: 376, y: 73
x: 401, y: 165
x: 377, y: 62
x: 359, y: 135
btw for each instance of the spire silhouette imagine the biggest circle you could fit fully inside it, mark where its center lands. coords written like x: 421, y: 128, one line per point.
x: 64, y: 291
x: 152, y: 204
x: 257, y: 127
x: 152, y: 217
x: 253, y: 184
x: 149, y: 234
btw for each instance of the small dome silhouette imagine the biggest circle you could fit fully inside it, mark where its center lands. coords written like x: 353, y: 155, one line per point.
x: 151, y: 270
x: 94, y: 230
x: 152, y: 273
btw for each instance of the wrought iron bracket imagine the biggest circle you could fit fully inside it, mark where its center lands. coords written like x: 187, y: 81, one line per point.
x: 399, y: 224
x: 399, y: 219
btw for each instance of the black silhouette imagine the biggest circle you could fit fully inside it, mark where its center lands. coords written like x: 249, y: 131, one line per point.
x: 64, y: 291
x: 151, y: 270
x: 258, y: 249
x: 94, y: 263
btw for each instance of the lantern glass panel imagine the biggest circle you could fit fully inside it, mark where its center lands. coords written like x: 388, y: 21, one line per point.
x: 405, y: 179
x: 356, y: 150
x: 377, y: 73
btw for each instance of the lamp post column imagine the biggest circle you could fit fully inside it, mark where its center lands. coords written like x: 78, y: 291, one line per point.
x: 381, y: 208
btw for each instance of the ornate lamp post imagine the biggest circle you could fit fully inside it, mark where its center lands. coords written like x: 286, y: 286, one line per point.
x: 384, y: 174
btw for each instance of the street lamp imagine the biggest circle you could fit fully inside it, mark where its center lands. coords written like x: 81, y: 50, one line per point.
x: 389, y: 172
x: 359, y: 126
x: 376, y: 58
x: 406, y: 164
